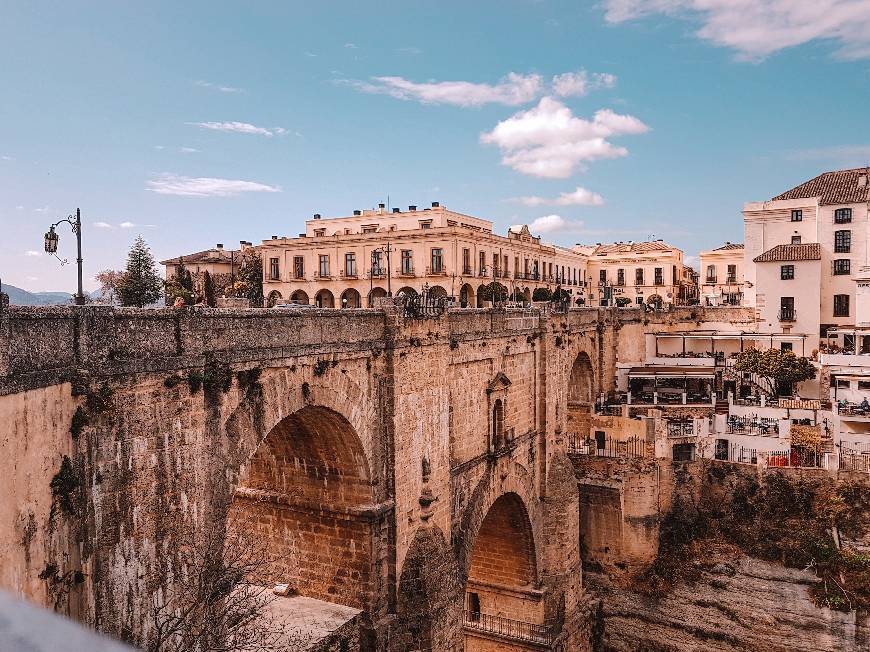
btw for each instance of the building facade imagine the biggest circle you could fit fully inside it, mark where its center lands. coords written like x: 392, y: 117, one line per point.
x: 721, y: 279
x: 348, y: 262
x: 829, y: 211
x: 637, y: 271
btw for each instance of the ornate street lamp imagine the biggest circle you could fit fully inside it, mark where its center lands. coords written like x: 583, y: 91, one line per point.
x: 51, y: 240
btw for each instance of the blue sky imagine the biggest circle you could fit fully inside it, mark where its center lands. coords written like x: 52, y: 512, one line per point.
x: 201, y: 122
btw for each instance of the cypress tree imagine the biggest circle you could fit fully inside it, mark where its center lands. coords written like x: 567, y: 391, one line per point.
x: 142, y: 284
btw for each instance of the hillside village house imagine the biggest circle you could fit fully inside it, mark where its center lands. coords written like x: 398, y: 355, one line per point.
x: 348, y: 262
x: 721, y: 276
x: 802, y: 248
x: 637, y: 271
x: 221, y: 264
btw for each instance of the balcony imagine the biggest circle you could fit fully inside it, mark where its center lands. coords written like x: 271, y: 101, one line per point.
x: 466, y: 270
x: 711, y: 280
x: 348, y: 274
x: 378, y: 272
x: 507, y: 628
x: 405, y: 271
x: 731, y: 280
x: 320, y: 276
x: 436, y: 271
x: 787, y: 314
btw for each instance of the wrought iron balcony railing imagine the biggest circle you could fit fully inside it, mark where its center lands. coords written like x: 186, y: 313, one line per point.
x: 787, y: 314
x: 515, y: 629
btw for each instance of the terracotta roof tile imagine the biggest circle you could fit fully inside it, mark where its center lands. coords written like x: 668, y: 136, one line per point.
x: 207, y: 256
x: 789, y: 253
x: 631, y: 247
x: 730, y: 245
x: 836, y: 187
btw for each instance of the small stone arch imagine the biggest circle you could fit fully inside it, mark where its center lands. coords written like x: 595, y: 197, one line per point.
x: 429, y: 600
x: 273, y: 298
x: 437, y: 292
x: 300, y: 296
x: 581, y: 382
x: 350, y: 298
x: 407, y: 291
x: 466, y: 296
x: 324, y: 299
x: 375, y: 294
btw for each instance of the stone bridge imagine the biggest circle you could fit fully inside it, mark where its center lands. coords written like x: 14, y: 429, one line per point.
x: 414, y: 470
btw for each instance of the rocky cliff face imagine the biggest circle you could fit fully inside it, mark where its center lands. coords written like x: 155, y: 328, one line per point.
x: 745, y: 604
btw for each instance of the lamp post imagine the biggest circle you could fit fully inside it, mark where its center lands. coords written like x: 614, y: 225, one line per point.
x: 51, y: 240
x: 386, y: 249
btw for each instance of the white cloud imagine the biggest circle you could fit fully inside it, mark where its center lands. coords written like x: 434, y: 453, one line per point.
x: 549, y: 141
x: 31, y: 253
x: 409, y: 50
x: 554, y: 224
x: 7, y: 158
x: 692, y: 261
x: 103, y: 225
x: 44, y: 209
x: 240, y: 127
x: 758, y: 28
x: 579, y: 197
x: 187, y: 150
x: 126, y: 225
x: 219, y: 87
x: 171, y: 184
x: 19, y: 207
x: 581, y: 83
x: 309, y: 54
x: 350, y: 46
x: 511, y: 90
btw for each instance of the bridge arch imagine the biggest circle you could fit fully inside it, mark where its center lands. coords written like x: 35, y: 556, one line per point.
x: 580, y: 393
x: 306, y: 492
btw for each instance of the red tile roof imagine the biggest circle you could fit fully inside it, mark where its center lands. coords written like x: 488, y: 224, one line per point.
x: 730, y: 245
x: 836, y: 187
x: 789, y: 253
x: 632, y: 247
x: 207, y: 256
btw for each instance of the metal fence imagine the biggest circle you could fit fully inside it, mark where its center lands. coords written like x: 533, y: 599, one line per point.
x: 508, y: 628
x: 607, y: 447
x: 855, y: 457
x: 681, y: 428
x: 743, y: 455
x: 753, y: 425
x: 795, y: 457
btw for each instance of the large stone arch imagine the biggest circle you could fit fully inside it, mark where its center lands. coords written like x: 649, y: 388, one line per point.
x: 429, y: 604
x: 306, y: 495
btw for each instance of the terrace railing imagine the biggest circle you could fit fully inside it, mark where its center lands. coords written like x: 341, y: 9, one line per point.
x: 508, y: 628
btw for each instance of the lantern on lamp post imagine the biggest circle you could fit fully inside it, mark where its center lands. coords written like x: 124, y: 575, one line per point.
x: 51, y: 240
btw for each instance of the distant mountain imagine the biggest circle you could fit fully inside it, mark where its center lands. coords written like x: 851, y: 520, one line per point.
x: 20, y: 297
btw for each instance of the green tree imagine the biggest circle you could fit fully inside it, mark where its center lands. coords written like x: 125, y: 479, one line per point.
x: 780, y: 370
x: 622, y: 302
x: 495, y: 292
x: 141, y: 284
x: 560, y: 295
x: 251, y: 278
x: 208, y: 290
x: 542, y: 294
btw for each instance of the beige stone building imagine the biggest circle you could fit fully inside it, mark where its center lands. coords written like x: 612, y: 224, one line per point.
x: 809, y: 287
x: 350, y: 261
x: 721, y: 280
x: 637, y: 271
x: 217, y: 261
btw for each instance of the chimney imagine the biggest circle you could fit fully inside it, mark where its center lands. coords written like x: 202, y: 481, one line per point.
x: 274, y: 237
x: 435, y: 204
x: 412, y: 208
x: 357, y: 212
x: 397, y: 210
x: 219, y: 246
x: 317, y: 216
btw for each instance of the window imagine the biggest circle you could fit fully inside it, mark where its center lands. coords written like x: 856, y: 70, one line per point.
x: 786, y: 309
x: 620, y: 277
x: 795, y: 239
x: 721, y: 449
x: 350, y: 264
x: 711, y: 273
x: 841, y: 305
x: 786, y: 346
x: 602, y: 276
x: 786, y: 272
x: 474, y: 606
x: 425, y: 225
x: 684, y: 452
x: 498, y: 425
x: 437, y: 261
x: 372, y: 228
x: 842, y: 242
x: 638, y: 276
x: 639, y: 301
x: 273, y: 269
x: 842, y: 216
x: 843, y: 384
x: 732, y: 273
x: 319, y: 233
x: 324, y: 266
x: 298, y: 267
x: 842, y: 266
x: 407, y: 261
x: 481, y: 263
x: 864, y: 384
x: 658, y: 276
x: 495, y: 258
x: 377, y: 268
x: 466, y: 261
x: 797, y: 216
